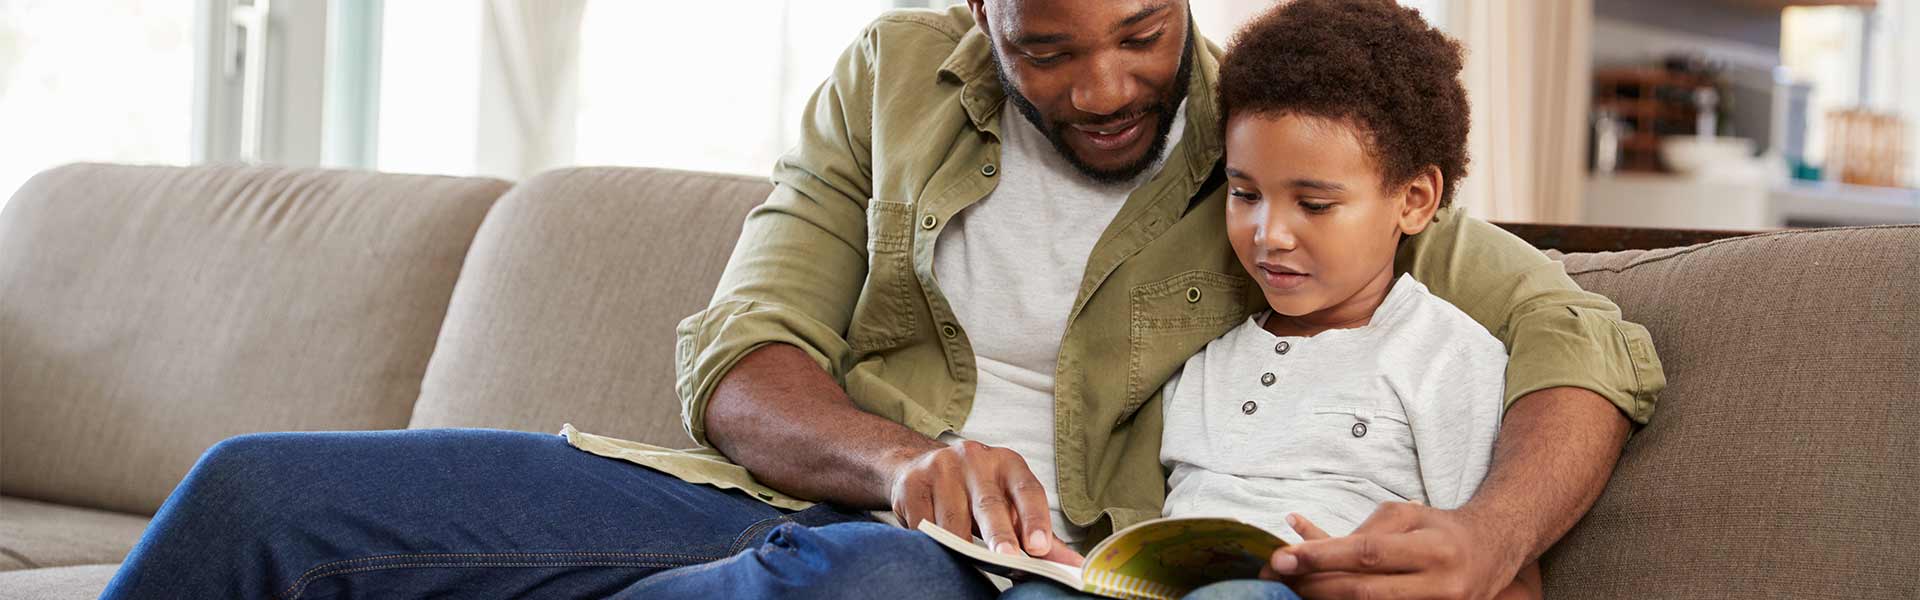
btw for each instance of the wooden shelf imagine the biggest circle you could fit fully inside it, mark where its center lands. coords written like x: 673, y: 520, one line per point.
x: 1782, y: 4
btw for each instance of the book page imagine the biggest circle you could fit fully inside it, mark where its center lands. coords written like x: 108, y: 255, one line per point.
x: 1166, y: 558
x: 1003, y: 564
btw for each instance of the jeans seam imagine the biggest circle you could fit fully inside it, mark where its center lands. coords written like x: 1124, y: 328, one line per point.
x: 609, y: 559
x: 755, y: 531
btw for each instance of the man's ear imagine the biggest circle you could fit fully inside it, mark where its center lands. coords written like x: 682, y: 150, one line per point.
x: 1421, y: 198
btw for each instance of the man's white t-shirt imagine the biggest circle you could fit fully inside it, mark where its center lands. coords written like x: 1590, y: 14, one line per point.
x: 1010, y: 265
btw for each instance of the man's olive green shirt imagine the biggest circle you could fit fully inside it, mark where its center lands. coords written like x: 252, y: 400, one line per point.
x: 906, y: 134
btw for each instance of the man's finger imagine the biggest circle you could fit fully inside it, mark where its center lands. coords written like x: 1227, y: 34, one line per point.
x: 992, y: 511
x: 951, y: 509
x: 1362, y: 553
x: 1036, y: 520
x: 916, y: 504
x: 1307, y: 530
x: 1393, y: 517
x: 1062, y: 553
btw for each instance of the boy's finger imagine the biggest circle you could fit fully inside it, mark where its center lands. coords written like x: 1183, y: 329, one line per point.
x: 1307, y: 530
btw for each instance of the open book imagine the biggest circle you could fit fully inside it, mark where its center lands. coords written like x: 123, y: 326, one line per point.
x: 1153, y: 560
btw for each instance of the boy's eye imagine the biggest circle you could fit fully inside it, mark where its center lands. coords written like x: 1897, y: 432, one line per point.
x: 1245, y: 195
x: 1315, y: 207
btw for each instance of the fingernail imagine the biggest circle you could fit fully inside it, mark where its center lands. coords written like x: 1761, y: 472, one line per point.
x: 1037, y: 541
x: 1006, y: 548
x: 1285, y: 563
x: 1293, y: 520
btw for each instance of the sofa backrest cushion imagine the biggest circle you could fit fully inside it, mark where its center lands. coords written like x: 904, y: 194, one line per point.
x: 1784, y: 456
x: 566, y: 310
x: 148, y: 312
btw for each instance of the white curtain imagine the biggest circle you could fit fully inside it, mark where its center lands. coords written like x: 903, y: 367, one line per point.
x: 1529, y: 77
x: 529, y: 85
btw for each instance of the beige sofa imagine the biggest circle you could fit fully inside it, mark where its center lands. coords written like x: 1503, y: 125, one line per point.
x: 147, y: 312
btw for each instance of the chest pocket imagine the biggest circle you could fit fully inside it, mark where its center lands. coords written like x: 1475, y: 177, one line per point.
x: 884, y: 315
x: 1364, y: 438
x: 1170, y: 320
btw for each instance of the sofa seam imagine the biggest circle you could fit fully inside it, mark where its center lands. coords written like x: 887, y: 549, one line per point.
x: 1763, y: 236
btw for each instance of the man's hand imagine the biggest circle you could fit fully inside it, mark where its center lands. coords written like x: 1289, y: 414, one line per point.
x: 1402, y: 551
x: 973, y: 485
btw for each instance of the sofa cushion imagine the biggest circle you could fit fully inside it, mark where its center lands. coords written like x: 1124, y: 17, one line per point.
x: 152, y: 311
x: 1785, y: 455
x: 567, y: 308
x: 62, y: 583
x: 38, y: 534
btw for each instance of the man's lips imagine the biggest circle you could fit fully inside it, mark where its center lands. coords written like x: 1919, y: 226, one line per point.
x: 1281, y: 278
x: 1115, y: 135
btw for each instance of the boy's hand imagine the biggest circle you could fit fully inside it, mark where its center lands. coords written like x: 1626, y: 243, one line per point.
x: 971, y: 486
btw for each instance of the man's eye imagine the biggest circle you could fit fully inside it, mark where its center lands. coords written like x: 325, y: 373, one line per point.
x: 1245, y: 195
x: 1142, y: 42
x: 1315, y: 207
x: 1046, y: 60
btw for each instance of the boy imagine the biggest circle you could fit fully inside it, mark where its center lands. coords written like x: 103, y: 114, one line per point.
x: 1345, y: 131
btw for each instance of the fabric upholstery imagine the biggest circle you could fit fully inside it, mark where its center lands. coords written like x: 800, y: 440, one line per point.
x: 151, y: 311
x: 567, y: 308
x: 1785, y: 457
x: 62, y: 583
x: 37, y: 534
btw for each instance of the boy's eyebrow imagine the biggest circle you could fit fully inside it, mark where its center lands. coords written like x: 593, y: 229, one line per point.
x: 1312, y: 184
x: 1316, y: 184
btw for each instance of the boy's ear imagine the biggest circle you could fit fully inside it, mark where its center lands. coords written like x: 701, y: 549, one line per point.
x: 1421, y: 200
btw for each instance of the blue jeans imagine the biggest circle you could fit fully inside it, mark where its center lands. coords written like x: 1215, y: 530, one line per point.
x: 499, y: 514
x: 1238, y: 589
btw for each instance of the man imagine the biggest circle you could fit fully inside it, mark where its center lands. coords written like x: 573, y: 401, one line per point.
x: 1000, y: 233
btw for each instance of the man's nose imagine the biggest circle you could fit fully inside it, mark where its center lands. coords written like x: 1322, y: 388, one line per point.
x: 1104, y: 89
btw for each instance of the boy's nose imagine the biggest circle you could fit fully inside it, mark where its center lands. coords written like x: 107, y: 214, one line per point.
x: 1277, y: 236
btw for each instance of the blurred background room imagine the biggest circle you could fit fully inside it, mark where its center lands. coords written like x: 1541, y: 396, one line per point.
x: 1704, y: 114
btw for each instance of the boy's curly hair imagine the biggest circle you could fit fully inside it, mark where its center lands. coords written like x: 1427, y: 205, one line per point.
x: 1370, y: 63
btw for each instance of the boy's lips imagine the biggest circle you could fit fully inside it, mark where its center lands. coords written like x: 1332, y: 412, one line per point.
x: 1281, y: 278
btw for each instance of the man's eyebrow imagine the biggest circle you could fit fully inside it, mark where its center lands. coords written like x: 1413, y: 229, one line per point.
x: 1141, y: 15
x: 1036, y: 39
x: 1235, y: 173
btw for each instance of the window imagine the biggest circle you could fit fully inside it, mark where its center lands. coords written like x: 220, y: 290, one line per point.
x: 94, y: 80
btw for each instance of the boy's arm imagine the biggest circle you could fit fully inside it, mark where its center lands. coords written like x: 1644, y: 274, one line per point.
x: 1577, y: 374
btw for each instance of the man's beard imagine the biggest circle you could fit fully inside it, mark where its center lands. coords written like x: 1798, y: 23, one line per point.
x: 1165, y: 110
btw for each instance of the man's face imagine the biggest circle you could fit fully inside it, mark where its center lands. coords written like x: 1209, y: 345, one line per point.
x: 1102, y: 79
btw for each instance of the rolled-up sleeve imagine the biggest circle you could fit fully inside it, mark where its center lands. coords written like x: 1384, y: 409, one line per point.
x: 1556, y: 334
x: 797, y: 270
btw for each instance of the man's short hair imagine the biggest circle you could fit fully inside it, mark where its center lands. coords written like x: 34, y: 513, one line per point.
x: 1372, y: 64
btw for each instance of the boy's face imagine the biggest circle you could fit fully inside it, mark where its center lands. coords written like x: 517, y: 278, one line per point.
x: 1310, y: 218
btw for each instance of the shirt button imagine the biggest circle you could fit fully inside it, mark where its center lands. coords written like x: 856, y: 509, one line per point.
x: 1193, y: 295
x: 1359, y: 430
x: 1266, y: 379
x: 1282, y: 347
x: 1249, y: 407
x: 927, y: 222
x: 949, y: 331
x: 989, y: 170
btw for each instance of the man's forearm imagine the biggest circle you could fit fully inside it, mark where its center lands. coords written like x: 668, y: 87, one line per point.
x: 1556, y: 450
x: 784, y: 419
